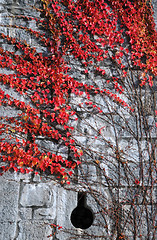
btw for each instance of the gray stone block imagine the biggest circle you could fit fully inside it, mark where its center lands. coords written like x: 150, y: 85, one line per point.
x: 9, y: 197
x: 45, y: 213
x: 36, y: 195
x: 25, y: 214
x: 34, y: 230
x: 7, y: 230
x: 67, y: 201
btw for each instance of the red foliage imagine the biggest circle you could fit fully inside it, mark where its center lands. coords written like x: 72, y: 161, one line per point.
x: 45, y: 81
x: 137, y: 17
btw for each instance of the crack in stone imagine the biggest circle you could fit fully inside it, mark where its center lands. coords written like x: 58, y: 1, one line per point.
x: 17, y: 230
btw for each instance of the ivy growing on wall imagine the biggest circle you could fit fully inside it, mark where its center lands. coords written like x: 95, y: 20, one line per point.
x: 39, y: 83
x: 90, y: 62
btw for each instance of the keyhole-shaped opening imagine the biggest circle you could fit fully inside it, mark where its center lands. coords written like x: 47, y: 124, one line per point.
x: 82, y: 216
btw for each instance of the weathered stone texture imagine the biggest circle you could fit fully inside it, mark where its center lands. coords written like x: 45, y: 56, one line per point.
x: 7, y: 230
x: 9, y: 197
x: 36, y: 195
x: 34, y: 230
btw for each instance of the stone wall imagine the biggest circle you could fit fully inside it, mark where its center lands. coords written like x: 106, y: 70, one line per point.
x: 30, y: 204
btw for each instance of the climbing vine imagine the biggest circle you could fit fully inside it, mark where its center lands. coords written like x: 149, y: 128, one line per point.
x: 80, y: 91
x: 87, y: 31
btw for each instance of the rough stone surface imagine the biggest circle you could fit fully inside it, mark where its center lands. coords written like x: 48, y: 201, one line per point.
x: 9, y: 200
x: 36, y: 195
x: 34, y: 230
x: 8, y: 230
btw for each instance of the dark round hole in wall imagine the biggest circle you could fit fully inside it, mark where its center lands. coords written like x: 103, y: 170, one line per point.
x: 81, y: 216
